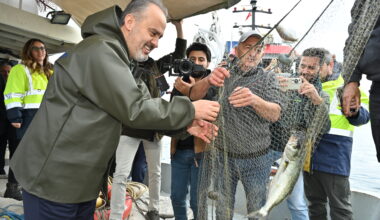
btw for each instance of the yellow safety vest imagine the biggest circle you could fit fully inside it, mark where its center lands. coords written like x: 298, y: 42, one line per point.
x: 24, y: 89
x: 339, y: 123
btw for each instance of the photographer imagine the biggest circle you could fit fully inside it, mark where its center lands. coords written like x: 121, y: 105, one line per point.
x: 328, y: 184
x: 303, y: 94
x: 186, y: 154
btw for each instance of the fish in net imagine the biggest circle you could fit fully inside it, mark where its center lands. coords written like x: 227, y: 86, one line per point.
x: 243, y: 150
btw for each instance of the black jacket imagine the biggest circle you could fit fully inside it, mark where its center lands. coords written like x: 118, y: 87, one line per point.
x: 3, y: 112
x: 369, y: 62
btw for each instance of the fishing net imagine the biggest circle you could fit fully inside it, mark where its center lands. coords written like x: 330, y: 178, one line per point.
x: 365, y: 13
x: 251, y: 140
x: 249, y: 143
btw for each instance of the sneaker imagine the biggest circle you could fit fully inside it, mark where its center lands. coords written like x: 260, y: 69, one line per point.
x: 13, y: 191
x: 152, y: 215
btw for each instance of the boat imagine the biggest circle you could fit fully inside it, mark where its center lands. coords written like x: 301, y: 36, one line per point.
x: 18, y: 25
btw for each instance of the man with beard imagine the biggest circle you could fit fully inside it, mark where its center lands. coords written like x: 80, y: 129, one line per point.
x: 139, y: 149
x: 298, y: 113
x: 328, y: 184
x: 63, y: 157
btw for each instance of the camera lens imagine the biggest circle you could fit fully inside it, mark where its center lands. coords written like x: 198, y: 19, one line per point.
x: 185, y: 66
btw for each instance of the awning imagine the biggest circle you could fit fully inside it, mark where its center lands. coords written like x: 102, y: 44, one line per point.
x: 18, y: 26
x: 178, y: 9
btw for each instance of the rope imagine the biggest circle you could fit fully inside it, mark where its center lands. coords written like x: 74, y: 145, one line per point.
x: 6, y: 214
x: 136, y: 190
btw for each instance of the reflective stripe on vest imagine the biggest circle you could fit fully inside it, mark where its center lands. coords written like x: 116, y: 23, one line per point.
x: 31, y: 92
x: 32, y: 105
x: 339, y: 123
x: 31, y: 99
x: 341, y: 132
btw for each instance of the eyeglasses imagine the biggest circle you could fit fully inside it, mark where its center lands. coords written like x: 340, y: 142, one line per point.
x: 38, y: 48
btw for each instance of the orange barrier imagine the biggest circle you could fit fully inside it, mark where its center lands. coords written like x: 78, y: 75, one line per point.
x: 103, y: 212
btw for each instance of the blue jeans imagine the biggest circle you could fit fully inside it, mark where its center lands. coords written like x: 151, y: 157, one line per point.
x: 253, y: 174
x: 296, y: 201
x: 139, y: 166
x: 185, y: 170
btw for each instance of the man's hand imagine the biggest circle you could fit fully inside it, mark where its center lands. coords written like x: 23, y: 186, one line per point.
x: 310, y: 91
x: 217, y: 76
x: 206, y: 110
x: 283, y: 82
x: 203, y: 130
x: 178, y: 27
x: 351, y: 99
x: 16, y: 125
x: 177, y: 23
x: 182, y: 86
x: 241, y: 97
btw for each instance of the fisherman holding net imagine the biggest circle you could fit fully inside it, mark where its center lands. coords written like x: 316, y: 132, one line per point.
x: 250, y: 101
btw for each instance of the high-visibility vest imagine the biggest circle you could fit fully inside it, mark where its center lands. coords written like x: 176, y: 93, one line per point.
x: 339, y: 123
x: 24, y: 89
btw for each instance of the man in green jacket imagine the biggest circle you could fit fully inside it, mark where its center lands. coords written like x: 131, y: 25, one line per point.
x: 62, y: 160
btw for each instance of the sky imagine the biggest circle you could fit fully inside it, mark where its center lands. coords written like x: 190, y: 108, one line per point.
x: 329, y: 32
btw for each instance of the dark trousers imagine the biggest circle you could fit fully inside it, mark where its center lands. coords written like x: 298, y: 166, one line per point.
x: 27, y: 117
x: 319, y: 187
x: 36, y: 208
x: 374, y: 112
x: 139, y: 166
x: 7, y: 138
x: 11, y: 176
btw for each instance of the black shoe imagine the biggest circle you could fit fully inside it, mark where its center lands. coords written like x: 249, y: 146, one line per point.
x: 152, y: 215
x: 13, y: 192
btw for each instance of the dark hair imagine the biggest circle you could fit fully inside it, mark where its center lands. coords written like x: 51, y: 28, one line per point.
x: 316, y: 52
x: 328, y: 56
x: 28, y: 60
x: 138, y: 6
x: 196, y: 46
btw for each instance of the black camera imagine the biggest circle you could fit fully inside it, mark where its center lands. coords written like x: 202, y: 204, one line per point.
x: 186, y: 68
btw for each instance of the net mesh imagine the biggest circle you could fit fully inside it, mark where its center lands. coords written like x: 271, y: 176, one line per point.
x: 250, y: 140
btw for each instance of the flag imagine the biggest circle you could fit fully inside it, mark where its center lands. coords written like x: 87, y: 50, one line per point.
x: 249, y: 15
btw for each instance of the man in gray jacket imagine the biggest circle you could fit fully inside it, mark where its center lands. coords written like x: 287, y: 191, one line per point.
x: 62, y: 160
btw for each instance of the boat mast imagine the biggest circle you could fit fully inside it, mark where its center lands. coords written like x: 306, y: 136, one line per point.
x: 253, y: 12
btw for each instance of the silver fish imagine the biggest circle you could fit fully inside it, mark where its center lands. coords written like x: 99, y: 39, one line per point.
x: 282, y: 184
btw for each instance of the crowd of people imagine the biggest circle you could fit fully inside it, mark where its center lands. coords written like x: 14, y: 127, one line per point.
x: 102, y: 107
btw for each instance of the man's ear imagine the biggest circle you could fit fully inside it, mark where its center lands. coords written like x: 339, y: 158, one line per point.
x: 129, y: 22
x: 331, y: 64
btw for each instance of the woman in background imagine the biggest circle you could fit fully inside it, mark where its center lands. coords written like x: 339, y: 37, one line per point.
x: 23, y: 94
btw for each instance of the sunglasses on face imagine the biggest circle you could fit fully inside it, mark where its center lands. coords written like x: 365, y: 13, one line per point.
x: 38, y: 48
